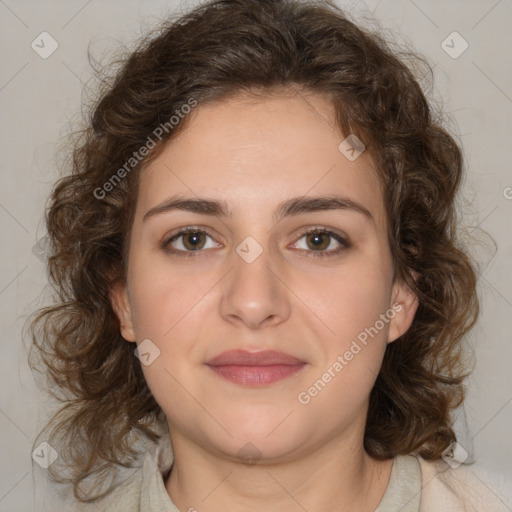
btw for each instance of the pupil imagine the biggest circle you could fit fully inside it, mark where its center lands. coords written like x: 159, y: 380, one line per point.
x: 195, y: 238
x: 318, y: 239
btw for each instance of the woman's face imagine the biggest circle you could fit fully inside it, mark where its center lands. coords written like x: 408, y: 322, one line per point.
x: 255, y: 280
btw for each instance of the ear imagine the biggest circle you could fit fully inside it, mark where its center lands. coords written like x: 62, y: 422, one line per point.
x: 405, y: 303
x: 121, y: 306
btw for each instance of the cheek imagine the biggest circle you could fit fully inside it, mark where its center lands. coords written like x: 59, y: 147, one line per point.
x: 352, y: 306
x: 163, y: 297
x: 170, y: 308
x: 164, y: 309
x: 351, y: 300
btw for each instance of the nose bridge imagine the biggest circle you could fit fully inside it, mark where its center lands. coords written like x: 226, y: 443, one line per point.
x: 253, y: 293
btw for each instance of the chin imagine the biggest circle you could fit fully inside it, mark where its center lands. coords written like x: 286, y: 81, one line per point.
x: 253, y: 449
x: 260, y: 436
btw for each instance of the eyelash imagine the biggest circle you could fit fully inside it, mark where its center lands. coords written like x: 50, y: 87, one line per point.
x: 345, y: 244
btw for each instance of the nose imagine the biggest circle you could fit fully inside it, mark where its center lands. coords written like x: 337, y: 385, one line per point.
x: 254, y: 293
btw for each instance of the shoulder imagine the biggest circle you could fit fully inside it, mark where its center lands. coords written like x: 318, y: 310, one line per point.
x: 140, y: 485
x: 124, y: 497
x: 464, y: 488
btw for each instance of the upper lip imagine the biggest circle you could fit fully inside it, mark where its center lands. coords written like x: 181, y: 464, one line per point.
x: 245, y: 358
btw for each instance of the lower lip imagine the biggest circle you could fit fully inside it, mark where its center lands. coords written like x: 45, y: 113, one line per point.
x: 253, y: 376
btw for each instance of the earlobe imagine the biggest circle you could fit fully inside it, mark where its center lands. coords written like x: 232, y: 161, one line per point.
x: 405, y: 303
x: 121, y: 306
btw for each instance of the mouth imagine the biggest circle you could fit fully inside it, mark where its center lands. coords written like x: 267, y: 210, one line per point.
x: 255, y: 369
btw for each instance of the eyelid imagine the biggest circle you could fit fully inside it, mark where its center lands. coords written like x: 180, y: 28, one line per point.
x: 341, y: 238
x: 321, y: 229
x: 183, y: 231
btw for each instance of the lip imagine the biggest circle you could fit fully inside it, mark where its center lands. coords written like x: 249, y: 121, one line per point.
x: 261, y: 358
x: 254, y: 369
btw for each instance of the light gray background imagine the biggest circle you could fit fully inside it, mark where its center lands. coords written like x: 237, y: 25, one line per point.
x: 39, y: 97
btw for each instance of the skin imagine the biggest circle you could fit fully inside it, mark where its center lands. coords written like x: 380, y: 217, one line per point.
x: 254, y: 154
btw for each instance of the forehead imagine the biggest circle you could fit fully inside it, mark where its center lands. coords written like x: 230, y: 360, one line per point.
x: 254, y: 152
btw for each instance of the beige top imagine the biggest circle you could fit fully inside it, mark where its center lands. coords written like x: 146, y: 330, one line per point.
x: 415, y: 485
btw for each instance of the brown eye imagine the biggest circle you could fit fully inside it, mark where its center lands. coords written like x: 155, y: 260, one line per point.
x: 322, y: 243
x: 318, y: 241
x: 193, y: 240
x: 189, y: 240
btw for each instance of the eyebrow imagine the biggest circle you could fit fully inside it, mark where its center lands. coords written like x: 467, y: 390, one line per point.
x: 290, y: 207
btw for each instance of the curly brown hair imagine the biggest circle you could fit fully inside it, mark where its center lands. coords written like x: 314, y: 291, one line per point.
x: 219, y: 49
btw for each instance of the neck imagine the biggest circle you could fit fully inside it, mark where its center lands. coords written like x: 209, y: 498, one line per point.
x: 332, y: 477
